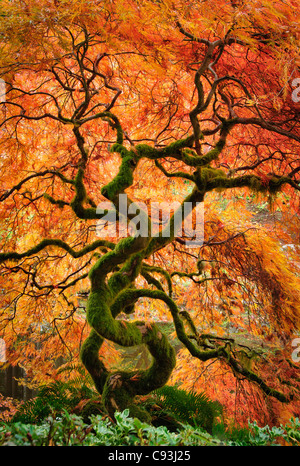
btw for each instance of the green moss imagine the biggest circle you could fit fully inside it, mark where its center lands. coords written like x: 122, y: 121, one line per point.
x: 206, y: 176
x: 161, y: 271
x: 119, y: 394
x: 126, y: 275
x: 146, y: 151
x: 152, y: 281
x: 61, y: 204
x: 213, y: 153
x: 193, y: 160
x: 78, y: 183
x: 120, y: 149
x: 47, y: 242
x: 80, y: 197
x: 89, y: 357
x: 122, y: 387
x: 100, y: 318
x: 257, y: 186
x: 176, y: 146
x: 173, y: 149
x: 123, y: 180
x: 119, y: 132
x: 114, y: 123
x: 255, y: 183
x: 118, y: 282
x: 123, y: 302
x: 275, y: 184
x: 121, y: 253
x: 210, y: 173
x: 124, y: 244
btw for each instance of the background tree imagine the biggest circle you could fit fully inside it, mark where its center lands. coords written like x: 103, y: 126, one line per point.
x: 186, y: 101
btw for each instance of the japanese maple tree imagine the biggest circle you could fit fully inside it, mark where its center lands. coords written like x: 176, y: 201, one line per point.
x: 162, y: 101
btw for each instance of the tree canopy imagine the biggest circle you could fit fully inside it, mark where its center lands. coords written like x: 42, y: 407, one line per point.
x: 164, y: 101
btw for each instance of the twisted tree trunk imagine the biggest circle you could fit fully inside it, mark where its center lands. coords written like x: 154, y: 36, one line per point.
x: 105, y: 302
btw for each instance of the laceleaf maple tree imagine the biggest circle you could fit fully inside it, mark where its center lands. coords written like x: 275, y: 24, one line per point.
x: 161, y: 101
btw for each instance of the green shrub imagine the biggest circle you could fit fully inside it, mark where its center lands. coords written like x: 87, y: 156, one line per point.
x: 54, y: 399
x: 260, y: 436
x: 233, y: 433
x: 175, y: 406
x: 178, y: 406
x: 292, y: 431
x: 67, y: 431
x: 70, y: 429
x: 271, y: 436
x: 68, y: 413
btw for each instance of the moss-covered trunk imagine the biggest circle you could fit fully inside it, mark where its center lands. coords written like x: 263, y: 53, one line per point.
x: 109, y: 297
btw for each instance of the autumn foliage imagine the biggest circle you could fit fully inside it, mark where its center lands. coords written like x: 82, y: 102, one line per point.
x: 164, y: 101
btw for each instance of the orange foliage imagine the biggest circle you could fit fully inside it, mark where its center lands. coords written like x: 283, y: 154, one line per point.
x: 220, y: 72
x: 242, y: 401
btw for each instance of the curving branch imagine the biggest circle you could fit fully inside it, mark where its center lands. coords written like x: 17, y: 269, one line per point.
x: 126, y: 334
x: 4, y: 256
